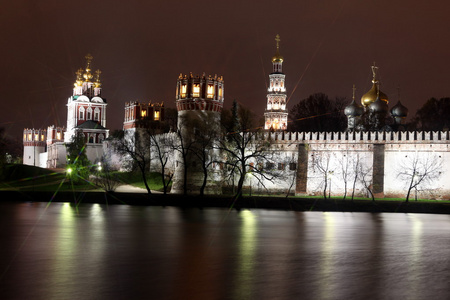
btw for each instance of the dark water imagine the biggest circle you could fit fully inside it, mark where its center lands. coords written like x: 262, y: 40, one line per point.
x: 92, y: 251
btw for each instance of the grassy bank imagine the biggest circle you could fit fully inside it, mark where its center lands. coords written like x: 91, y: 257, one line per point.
x: 29, y: 178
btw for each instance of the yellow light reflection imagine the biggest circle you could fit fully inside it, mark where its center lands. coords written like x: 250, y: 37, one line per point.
x: 326, y: 266
x: 246, y: 262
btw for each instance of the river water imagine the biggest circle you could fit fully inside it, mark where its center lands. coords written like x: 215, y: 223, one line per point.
x: 92, y: 251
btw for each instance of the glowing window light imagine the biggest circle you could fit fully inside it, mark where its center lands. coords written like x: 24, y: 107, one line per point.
x: 144, y: 113
x: 29, y: 136
x: 220, y: 91
x: 183, y: 91
x: 42, y: 137
x: 210, y: 91
x: 36, y: 137
x: 156, y: 115
x: 196, y: 92
x: 58, y: 135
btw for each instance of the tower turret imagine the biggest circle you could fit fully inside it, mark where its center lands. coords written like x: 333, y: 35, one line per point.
x: 276, y: 114
x: 34, y: 142
x: 199, y: 101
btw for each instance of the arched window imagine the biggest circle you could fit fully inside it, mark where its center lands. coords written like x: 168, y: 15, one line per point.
x: 81, y: 113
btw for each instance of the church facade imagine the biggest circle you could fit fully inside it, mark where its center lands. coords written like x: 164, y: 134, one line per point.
x: 86, y: 116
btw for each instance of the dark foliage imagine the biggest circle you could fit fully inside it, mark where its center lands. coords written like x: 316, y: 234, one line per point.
x: 434, y: 115
x: 319, y: 113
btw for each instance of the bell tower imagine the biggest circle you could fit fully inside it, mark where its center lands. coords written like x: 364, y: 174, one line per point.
x: 276, y: 114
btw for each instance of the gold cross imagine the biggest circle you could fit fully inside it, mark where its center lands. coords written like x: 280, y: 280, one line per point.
x: 277, y: 39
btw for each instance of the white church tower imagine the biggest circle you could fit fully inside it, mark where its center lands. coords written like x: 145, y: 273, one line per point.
x: 276, y: 114
x: 86, y: 109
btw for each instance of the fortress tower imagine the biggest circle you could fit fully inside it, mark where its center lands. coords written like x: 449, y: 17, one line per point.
x: 199, y: 102
x: 276, y: 114
x: 34, y: 141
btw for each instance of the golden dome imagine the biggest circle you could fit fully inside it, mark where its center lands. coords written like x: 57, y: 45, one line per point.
x: 372, y: 95
x: 277, y: 57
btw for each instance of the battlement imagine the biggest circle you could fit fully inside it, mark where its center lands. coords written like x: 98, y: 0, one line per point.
x: 200, y: 93
x: 34, y: 137
x: 372, y: 137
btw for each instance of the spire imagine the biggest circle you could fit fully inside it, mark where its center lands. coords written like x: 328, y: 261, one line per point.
x: 79, y: 80
x: 277, y: 58
x: 88, y: 76
x: 97, y: 78
x: 354, y: 89
x: 374, y: 73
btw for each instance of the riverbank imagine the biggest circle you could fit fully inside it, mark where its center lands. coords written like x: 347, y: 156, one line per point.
x: 278, y: 203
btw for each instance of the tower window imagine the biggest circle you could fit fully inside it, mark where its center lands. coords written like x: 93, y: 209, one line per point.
x: 96, y: 116
x: 210, y: 91
x: 183, y: 91
x: 156, y: 115
x: 196, y: 92
x: 220, y: 92
x: 143, y: 113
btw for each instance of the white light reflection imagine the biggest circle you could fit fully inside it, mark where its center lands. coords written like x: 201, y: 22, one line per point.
x: 415, y: 269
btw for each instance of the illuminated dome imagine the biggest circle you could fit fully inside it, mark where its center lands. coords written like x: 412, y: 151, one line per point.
x: 399, y: 110
x: 277, y: 57
x: 372, y: 94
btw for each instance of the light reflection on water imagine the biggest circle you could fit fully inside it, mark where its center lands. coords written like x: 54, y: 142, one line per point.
x: 93, y: 251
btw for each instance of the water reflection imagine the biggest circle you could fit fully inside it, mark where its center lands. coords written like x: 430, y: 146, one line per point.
x: 123, y: 252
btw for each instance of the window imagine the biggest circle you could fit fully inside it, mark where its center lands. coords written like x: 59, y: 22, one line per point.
x: 36, y: 137
x: 91, y: 139
x: 281, y: 166
x: 96, y: 114
x: 183, y: 91
x: 210, y: 91
x: 270, y: 165
x: 156, y: 115
x: 58, y: 135
x: 292, y: 166
x: 196, y: 92
x: 220, y: 92
x: 143, y: 113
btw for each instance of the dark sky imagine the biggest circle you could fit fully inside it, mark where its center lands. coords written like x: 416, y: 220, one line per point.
x: 142, y: 46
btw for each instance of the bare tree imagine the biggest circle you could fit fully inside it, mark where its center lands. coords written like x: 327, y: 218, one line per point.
x: 207, y: 133
x: 105, y: 176
x: 136, y: 145
x: 162, y: 146
x: 419, y: 171
x: 364, y: 175
x: 345, y: 168
x: 321, y: 164
x: 244, y: 149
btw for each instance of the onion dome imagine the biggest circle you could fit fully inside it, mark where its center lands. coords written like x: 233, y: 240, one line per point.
x: 87, y: 75
x: 399, y: 110
x: 374, y: 92
x: 353, y: 109
x: 378, y: 106
x: 277, y: 58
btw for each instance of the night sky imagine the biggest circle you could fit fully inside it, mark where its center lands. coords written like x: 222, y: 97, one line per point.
x: 142, y: 46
